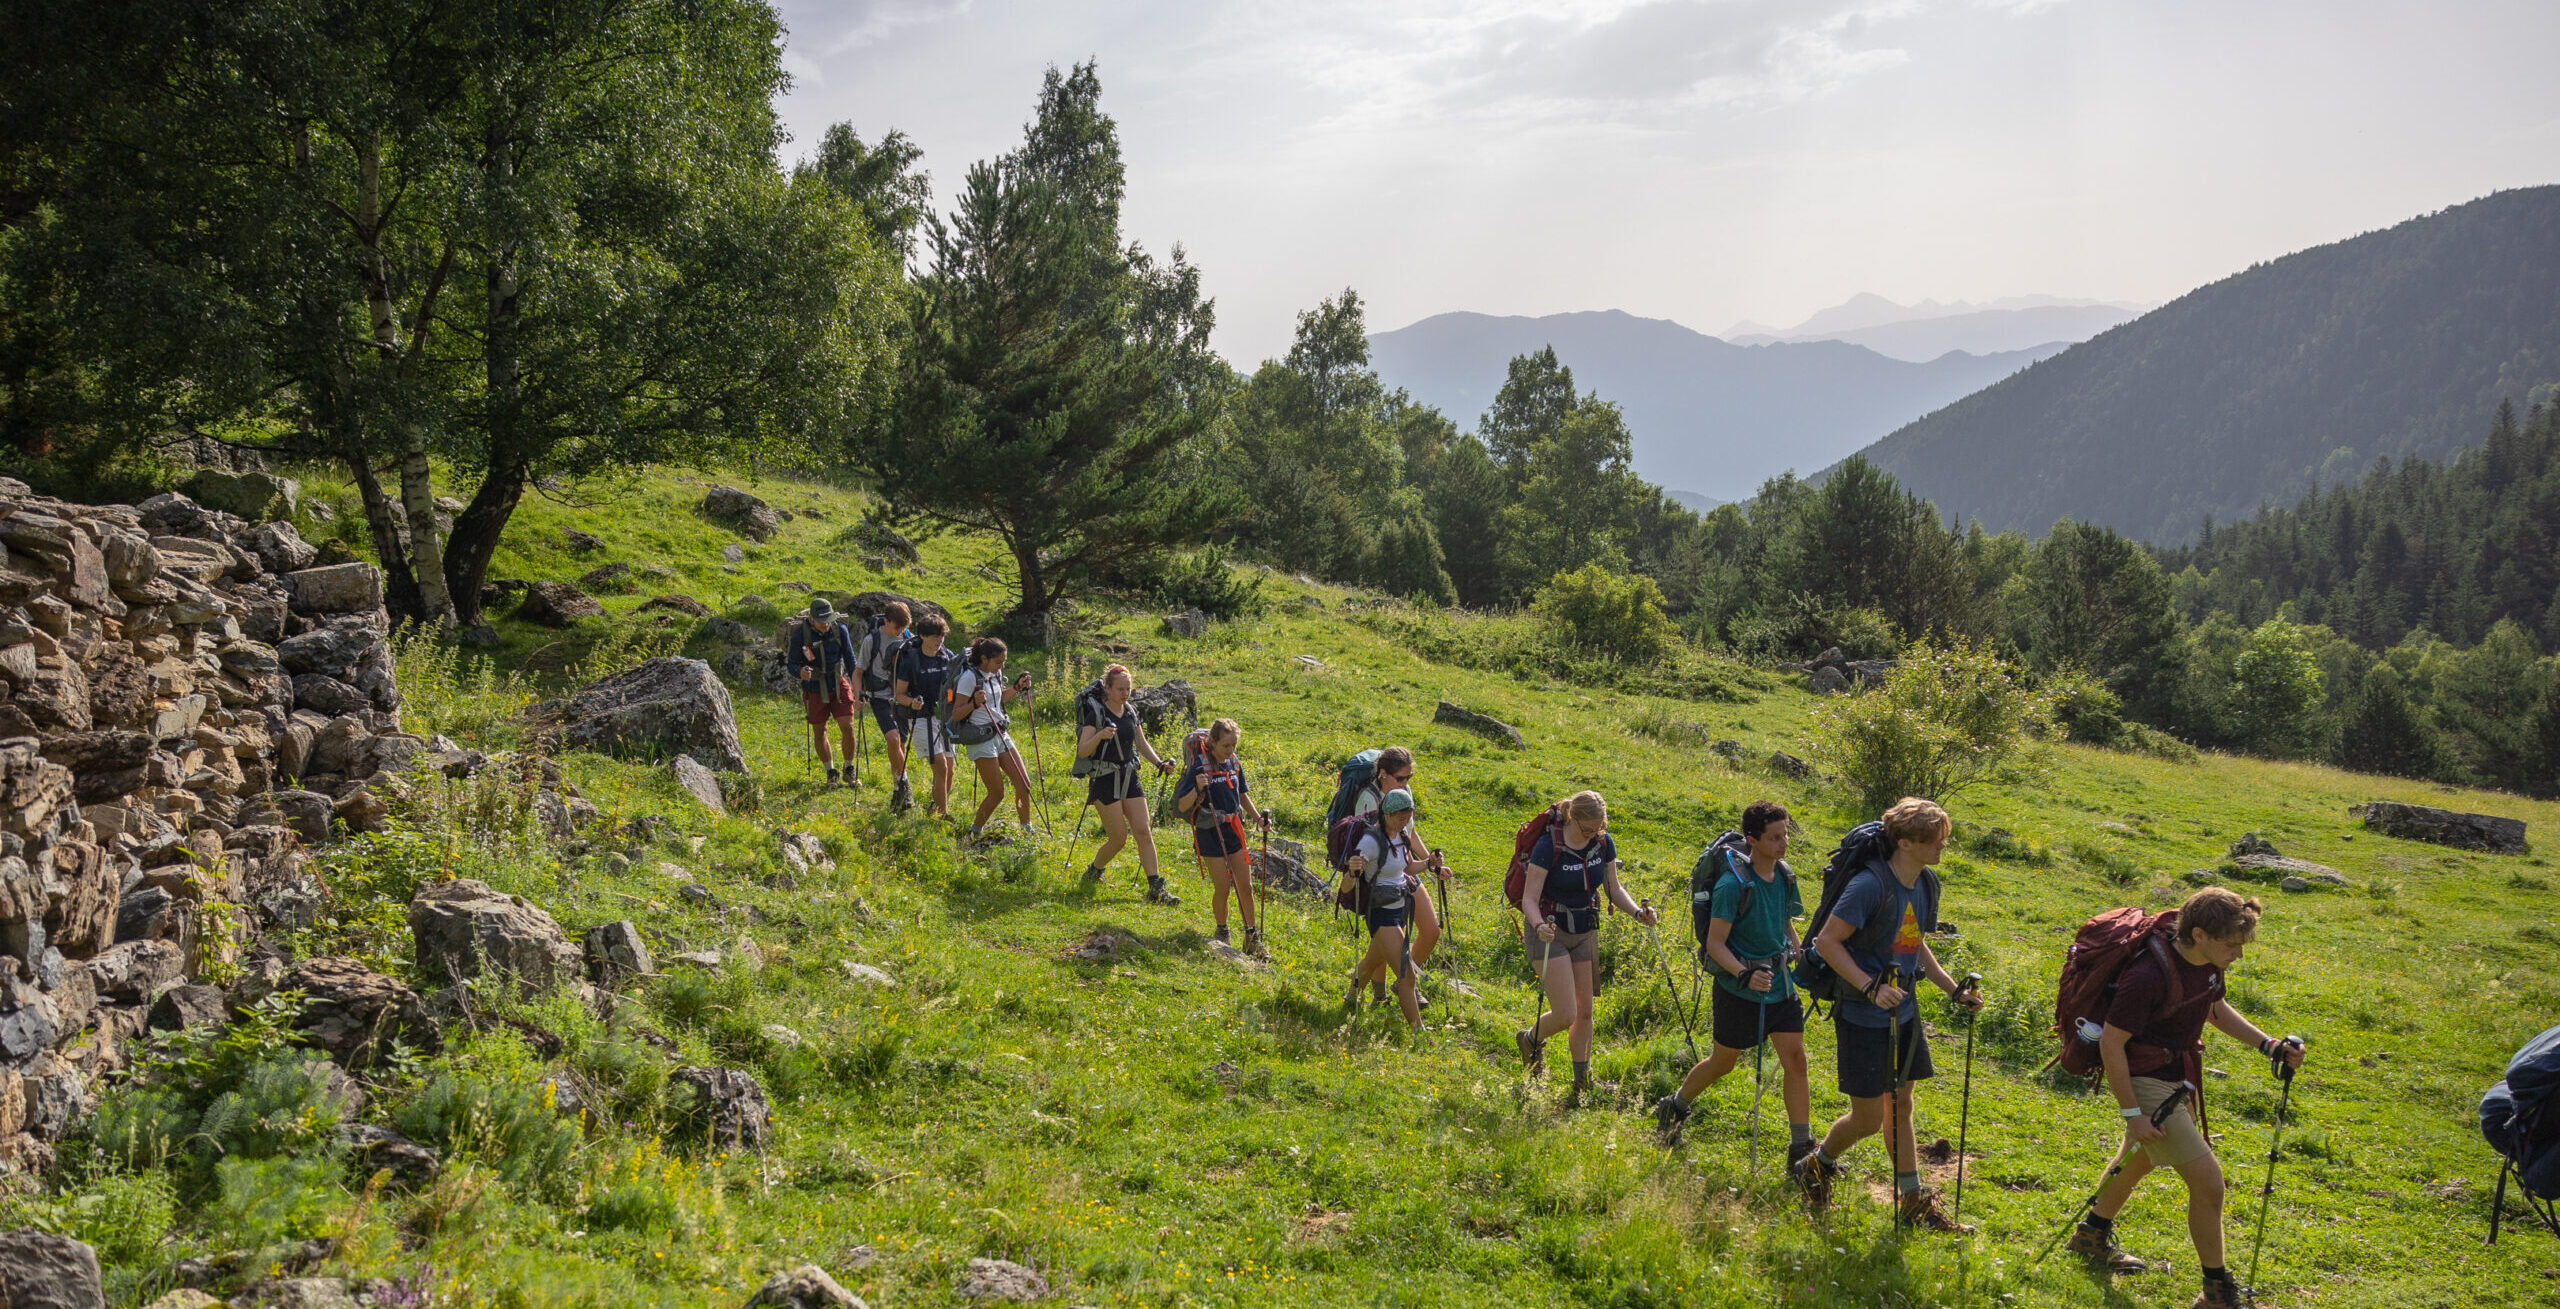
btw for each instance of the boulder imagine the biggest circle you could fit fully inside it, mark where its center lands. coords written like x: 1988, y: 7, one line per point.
x: 304, y: 813
x: 2252, y: 844
x: 1156, y: 705
x: 355, y: 1014
x: 1482, y: 724
x: 182, y: 1007
x: 867, y: 605
x: 753, y: 518
x: 1001, y: 1279
x: 610, y: 577
x: 145, y: 914
x: 463, y: 929
x: 804, y: 1287
x: 1827, y: 680
x: 2278, y: 866
x: 338, y: 589
x: 1188, y: 624
x: 664, y: 707
x: 725, y: 1106
x: 254, y: 496
x: 39, y: 1270
x: 682, y: 604
x: 581, y: 542
x: 281, y: 549
x: 1788, y: 765
x: 136, y: 972
x: 380, y: 1148
x: 557, y: 604
x: 2417, y: 822
x: 699, y: 782
x: 866, y: 975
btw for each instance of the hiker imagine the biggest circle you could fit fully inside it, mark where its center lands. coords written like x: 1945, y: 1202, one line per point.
x: 821, y: 657
x: 1750, y: 939
x: 924, y: 670
x: 1213, y: 793
x: 877, y: 659
x: 1382, y: 860
x: 1875, y: 941
x: 1391, y: 769
x: 984, y: 693
x: 1108, y: 733
x: 1571, y: 866
x: 2154, y: 1020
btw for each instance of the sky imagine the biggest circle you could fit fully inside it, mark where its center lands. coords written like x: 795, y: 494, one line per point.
x: 1714, y: 161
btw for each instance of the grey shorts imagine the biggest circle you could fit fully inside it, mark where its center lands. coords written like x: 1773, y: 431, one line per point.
x: 1580, y: 947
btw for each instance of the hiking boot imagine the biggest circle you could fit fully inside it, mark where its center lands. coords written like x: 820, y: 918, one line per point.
x: 2102, y: 1252
x: 902, y: 797
x: 2219, y: 1293
x: 1920, y: 1209
x: 1092, y: 874
x: 1421, y: 1001
x: 1813, y: 1177
x: 832, y: 779
x: 1253, y: 943
x: 1533, y: 1051
x: 1378, y: 991
x: 1159, y: 893
x: 1351, y: 998
x: 1799, y: 1149
x: 1220, y: 936
x: 1669, y: 1115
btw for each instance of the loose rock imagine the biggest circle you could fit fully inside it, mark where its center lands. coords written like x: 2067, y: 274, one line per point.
x: 1482, y: 724
x: 464, y: 929
x: 664, y: 707
x: 753, y: 518
x: 39, y: 1270
x: 557, y: 604
x: 1001, y: 1279
x: 2417, y: 822
x: 804, y: 1287
x: 726, y: 1106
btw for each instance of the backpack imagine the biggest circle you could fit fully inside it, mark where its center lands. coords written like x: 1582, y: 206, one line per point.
x: 1515, y: 883
x: 1355, y: 775
x: 1092, y: 712
x: 1726, y: 856
x: 796, y: 635
x: 889, y: 652
x: 957, y: 712
x: 2517, y: 1118
x: 1865, y: 846
x: 2099, y: 954
x: 1341, y: 841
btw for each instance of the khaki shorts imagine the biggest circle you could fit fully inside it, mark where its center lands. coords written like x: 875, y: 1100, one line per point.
x: 2182, y: 1142
x: 1580, y: 947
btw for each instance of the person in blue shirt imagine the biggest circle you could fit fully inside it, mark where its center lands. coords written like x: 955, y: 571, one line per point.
x: 1751, y: 941
x: 1572, y: 866
x: 1877, y: 942
x: 820, y: 656
x: 924, y: 669
x: 1213, y: 795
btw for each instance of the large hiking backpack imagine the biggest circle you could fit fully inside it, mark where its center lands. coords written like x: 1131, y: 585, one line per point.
x: 2518, y: 1118
x: 867, y: 682
x: 1355, y: 775
x: 955, y: 711
x: 1515, y: 883
x: 2099, y: 953
x: 1091, y: 712
x: 1341, y: 841
x: 1727, y: 856
x: 1864, y: 847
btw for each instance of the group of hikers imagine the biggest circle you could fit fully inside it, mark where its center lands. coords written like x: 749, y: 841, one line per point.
x: 2145, y: 986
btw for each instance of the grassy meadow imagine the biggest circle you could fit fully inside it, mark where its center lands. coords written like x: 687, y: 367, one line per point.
x: 1156, y: 1126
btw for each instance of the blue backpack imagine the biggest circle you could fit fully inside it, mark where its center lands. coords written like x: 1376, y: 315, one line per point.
x: 2516, y: 1116
x: 1357, y: 772
x: 1864, y: 847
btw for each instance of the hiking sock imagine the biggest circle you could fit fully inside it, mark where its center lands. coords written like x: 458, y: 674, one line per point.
x: 1799, y: 1134
x: 1825, y: 1157
x: 1681, y: 1101
x: 2099, y: 1223
x: 1582, y: 1071
x: 1906, y: 1183
x: 2213, y: 1274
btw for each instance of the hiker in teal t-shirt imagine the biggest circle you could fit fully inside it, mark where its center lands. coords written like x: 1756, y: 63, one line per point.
x: 1751, y: 941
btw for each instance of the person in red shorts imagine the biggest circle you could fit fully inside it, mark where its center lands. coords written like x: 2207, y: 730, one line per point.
x: 821, y: 659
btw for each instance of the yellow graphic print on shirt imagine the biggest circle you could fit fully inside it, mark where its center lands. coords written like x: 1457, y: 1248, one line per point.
x: 1906, y: 943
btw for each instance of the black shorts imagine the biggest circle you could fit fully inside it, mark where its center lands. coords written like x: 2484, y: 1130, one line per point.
x: 1399, y: 917
x: 886, y: 715
x: 1866, y: 1070
x: 1740, y: 1024
x: 1217, y: 841
x: 1113, y: 786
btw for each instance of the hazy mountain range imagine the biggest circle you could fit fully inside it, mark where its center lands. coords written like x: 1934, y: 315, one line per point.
x: 2299, y: 371
x: 1924, y: 331
x: 1708, y: 416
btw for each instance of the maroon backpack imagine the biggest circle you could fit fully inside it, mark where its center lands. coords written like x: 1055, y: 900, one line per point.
x: 1516, y: 882
x: 2099, y: 954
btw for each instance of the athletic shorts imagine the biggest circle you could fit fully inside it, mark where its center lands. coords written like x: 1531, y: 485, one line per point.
x: 1223, y: 838
x: 928, y: 736
x: 886, y: 715
x: 819, y: 708
x: 1580, y: 947
x: 1866, y: 1057
x: 2180, y: 1142
x: 1398, y: 915
x: 1114, y: 786
x: 1740, y: 1023
x: 991, y: 748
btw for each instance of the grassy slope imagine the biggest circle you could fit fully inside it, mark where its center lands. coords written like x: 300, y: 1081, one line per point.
x: 1166, y: 1129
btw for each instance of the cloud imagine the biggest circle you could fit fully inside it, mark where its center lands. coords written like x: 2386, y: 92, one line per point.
x: 881, y: 19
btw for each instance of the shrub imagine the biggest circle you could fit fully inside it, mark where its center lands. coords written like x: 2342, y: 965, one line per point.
x: 512, y: 1126
x: 1616, y: 614
x: 1947, y: 718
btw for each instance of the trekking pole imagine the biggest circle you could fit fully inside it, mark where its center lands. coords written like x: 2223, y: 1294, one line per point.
x: 1759, y: 1084
x: 1689, y: 1033
x: 2158, y: 1116
x: 1039, y: 769
x: 2266, y: 1192
x: 1893, y: 1113
x: 1964, y: 1113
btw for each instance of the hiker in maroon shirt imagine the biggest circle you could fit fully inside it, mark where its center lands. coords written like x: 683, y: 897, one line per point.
x: 2145, y: 1047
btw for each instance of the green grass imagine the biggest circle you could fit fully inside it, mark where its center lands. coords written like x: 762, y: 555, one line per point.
x: 1162, y: 1128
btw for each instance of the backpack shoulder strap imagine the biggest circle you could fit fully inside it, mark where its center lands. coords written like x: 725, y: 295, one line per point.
x: 2173, y: 992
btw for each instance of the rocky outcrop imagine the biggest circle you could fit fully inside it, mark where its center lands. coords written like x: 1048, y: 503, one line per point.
x: 1484, y: 725
x: 355, y: 1014
x: 1001, y: 1279
x: 39, y: 1270
x: 1156, y: 705
x: 253, y: 496
x: 663, y: 708
x: 726, y: 1107
x: 464, y: 929
x: 754, y: 519
x: 2417, y: 822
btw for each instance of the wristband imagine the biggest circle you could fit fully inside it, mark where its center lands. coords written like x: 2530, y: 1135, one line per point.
x: 2267, y: 1045
x: 2135, y: 1112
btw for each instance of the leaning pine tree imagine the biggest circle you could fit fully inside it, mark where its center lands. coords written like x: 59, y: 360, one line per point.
x: 1047, y: 381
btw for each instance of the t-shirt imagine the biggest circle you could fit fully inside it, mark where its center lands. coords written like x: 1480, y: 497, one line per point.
x: 1763, y: 934
x: 1576, y: 879
x: 878, y: 658
x: 827, y: 654
x: 2140, y: 991
x: 1386, y: 873
x: 1877, y: 895
x: 1121, y: 750
x: 988, y: 692
x: 924, y: 673
x: 1222, y: 789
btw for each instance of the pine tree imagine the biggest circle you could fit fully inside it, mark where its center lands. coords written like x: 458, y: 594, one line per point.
x: 2384, y: 733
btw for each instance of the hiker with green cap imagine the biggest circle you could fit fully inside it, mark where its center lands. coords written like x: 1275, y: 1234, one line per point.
x: 1750, y: 938
x: 1382, y: 859
x: 821, y: 658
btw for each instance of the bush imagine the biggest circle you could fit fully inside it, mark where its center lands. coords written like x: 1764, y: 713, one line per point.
x: 512, y: 1126
x: 1206, y: 579
x: 1612, y: 613
x: 1947, y: 718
